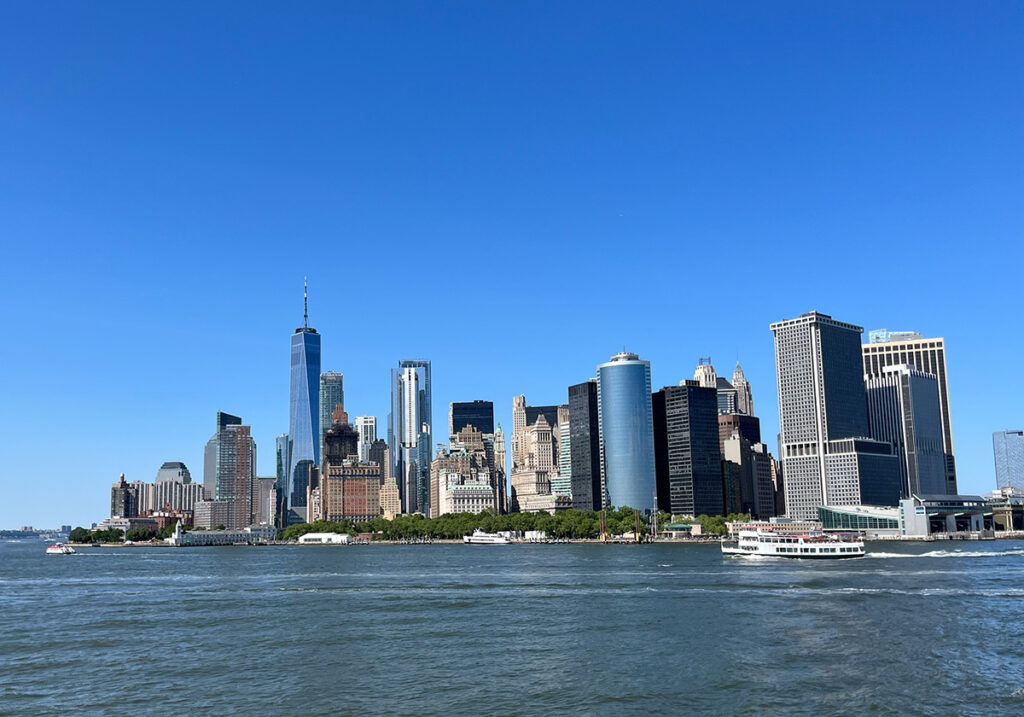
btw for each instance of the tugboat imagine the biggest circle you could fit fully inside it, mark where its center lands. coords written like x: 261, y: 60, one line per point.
x: 479, y: 537
x: 60, y: 549
x: 775, y: 544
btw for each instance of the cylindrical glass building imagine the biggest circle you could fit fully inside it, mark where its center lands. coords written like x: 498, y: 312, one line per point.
x: 627, y: 431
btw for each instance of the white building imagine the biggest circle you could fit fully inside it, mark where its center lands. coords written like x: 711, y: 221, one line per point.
x: 325, y: 539
x: 367, y: 428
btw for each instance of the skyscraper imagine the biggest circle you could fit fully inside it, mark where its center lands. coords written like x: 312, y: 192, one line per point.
x: 584, y: 446
x: 687, y: 454
x: 283, y: 450
x: 627, y: 431
x: 235, y: 471
x: 744, y: 398
x: 332, y: 395
x: 1008, y: 449
x: 903, y: 409
x: 887, y: 348
x: 210, y: 454
x: 304, y: 408
x: 367, y: 427
x: 479, y: 414
x: 410, y: 432
x: 827, y: 459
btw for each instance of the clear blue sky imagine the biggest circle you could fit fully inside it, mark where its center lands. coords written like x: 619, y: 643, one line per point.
x: 513, y: 190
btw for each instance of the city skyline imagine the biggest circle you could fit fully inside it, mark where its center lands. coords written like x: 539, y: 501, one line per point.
x: 157, y: 242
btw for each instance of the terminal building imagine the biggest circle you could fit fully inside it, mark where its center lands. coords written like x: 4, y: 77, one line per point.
x: 920, y: 516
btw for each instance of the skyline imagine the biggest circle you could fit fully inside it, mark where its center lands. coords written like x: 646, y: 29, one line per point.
x: 671, y: 185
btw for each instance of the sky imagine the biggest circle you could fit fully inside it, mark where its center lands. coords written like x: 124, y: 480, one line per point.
x: 515, y: 191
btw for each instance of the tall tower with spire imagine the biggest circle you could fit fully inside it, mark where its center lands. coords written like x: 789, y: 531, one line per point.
x: 744, y: 398
x: 303, y: 406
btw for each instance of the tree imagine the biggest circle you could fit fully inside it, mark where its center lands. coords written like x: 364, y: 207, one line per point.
x: 80, y: 535
x: 220, y: 526
x: 139, y: 534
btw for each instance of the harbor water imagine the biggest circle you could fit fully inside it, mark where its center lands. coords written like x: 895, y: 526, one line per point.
x: 924, y: 628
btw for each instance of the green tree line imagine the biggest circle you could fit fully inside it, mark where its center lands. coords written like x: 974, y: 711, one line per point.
x: 563, y: 524
x: 116, y: 535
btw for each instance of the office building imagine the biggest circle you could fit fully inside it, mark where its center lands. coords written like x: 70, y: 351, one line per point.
x: 531, y: 478
x: 744, y: 397
x: 303, y: 408
x: 904, y: 409
x: 390, y: 501
x: 561, y: 482
x: 479, y: 414
x: 748, y: 478
x: 283, y: 451
x: 827, y: 457
x: 1008, y: 450
x: 523, y: 418
x: 887, y: 348
x: 469, y: 453
x: 749, y: 427
x: 175, y: 471
x: 584, y: 446
x: 704, y: 374
x: 332, y: 395
x: 410, y: 432
x: 379, y: 453
x: 465, y: 493
x: 367, y: 427
x: 627, y: 432
x: 501, y: 469
x: 350, y: 490
x: 264, y: 502
x: 687, y: 454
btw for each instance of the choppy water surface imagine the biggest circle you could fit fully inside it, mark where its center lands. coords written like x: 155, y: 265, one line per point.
x: 434, y: 630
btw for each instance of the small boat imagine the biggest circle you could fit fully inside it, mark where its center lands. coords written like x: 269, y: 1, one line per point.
x: 479, y: 537
x: 60, y: 549
x: 775, y: 544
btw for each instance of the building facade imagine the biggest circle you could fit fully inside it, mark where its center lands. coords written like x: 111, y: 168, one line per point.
x: 904, y: 409
x: 822, y: 402
x: 410, y: 432
x: 303, y: 409
x: 367, y: 427
x: 928, y: 355
x: 749, y: 427
x: 584, y: 446
x: 687, y: 452
x: 627, y: 432
x: 1008, y: 450
x: 477, y: 413
x: 332, y: 395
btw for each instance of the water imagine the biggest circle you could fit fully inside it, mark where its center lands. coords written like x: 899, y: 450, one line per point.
x: 544, y: 629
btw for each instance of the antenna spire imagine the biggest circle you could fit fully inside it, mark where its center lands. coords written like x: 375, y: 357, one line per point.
x: 305, y: 304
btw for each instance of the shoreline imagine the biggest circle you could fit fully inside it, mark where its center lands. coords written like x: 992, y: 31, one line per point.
x: 1017, y: 535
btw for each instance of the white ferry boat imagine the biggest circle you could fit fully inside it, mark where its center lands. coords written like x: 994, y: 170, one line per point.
x: 775, y: 544
x: 60, y: 549
x: 479, y: 537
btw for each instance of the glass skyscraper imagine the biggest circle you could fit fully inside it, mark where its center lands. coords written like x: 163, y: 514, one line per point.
x: 627, y: 431
x: 409, y: 432
x: 304, y: 409
x: 332, y: 395
x: 1008, y: 447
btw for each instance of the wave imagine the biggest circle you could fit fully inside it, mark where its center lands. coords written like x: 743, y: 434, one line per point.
x: 952, y: 554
